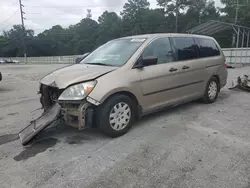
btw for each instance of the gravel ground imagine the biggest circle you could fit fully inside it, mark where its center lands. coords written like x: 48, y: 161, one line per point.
x: 193, y: 145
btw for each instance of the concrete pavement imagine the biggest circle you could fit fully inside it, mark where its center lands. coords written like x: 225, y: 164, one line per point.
x: 193, y: 145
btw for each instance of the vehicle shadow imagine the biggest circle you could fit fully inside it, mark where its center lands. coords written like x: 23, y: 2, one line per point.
x: 4, y: 89
x: 184, y: 109
x: 168, y: 111
x: 71, y: 135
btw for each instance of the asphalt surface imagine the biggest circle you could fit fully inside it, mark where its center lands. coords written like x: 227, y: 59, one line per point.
x: 193, y: 145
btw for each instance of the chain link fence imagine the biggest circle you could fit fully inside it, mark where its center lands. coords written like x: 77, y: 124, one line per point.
x: 237, y: 55
x: 233, y: 56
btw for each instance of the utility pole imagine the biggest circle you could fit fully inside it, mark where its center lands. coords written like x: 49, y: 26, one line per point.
x: 89, y: 14
x: 176, y: 15
x: 23, y: 28
x: 237, y: 10
x: 235, y: 22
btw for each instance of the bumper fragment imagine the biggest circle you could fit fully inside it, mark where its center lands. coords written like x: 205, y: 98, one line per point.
x: 80, y: 117
x: 243, y: 83
x: 36, y: 126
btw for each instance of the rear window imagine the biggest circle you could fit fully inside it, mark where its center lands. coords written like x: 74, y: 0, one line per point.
x: 207, y: 47
x: 185, y: 48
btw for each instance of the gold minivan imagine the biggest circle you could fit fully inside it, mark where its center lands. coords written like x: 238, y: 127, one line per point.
x: 129, y: 77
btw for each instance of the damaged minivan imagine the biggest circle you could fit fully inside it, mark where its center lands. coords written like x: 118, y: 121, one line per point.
x: 129, y: 77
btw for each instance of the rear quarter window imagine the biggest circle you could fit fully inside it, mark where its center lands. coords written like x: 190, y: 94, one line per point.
x: 207, y: 47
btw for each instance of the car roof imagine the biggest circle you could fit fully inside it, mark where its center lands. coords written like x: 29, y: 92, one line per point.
x: 156, y: 35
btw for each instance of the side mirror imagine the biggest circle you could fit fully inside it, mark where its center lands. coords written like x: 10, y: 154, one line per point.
x: 147, y: 61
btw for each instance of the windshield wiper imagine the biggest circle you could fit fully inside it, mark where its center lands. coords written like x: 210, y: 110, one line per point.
x: 102, y: 64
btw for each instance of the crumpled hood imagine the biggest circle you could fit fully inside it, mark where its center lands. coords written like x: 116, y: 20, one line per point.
x: 66, y: 76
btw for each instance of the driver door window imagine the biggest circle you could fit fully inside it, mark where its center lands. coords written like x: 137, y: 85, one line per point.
x: 160, y: 48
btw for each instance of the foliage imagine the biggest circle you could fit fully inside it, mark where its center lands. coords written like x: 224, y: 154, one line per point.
x: 136, y: 18
x: 132, y: 7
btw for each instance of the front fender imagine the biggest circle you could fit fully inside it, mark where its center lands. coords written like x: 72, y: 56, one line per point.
x: 98, y: 101
x: 115, y: 82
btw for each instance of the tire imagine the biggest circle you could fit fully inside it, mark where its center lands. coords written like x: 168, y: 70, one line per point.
x: 107, y: 116
x: 212, y: 91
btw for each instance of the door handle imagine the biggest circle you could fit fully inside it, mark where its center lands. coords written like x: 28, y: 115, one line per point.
x: 170, y: 53
x: 185, y: 67
x: 173, y: 70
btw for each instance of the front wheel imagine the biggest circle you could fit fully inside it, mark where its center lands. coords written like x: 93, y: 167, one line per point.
x: 212, y: 90
x: 116, y: 115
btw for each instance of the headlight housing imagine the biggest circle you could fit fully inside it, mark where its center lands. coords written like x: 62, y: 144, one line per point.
x: 78, y: 91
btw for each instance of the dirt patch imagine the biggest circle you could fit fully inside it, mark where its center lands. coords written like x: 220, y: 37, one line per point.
x: 188, y: 169
x: 2, y: 90
x: 38, y: 147
x: 223, y: 95
x: 8, y: 138
x: 13, y: 114
x: 76, y: 139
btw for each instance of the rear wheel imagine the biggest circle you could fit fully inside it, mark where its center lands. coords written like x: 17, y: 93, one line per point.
x: 212, y: 90
x: 116, y: 115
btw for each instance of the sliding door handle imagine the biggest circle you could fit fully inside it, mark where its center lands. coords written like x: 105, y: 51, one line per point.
x: 173, y: 70
x: 185, y: 67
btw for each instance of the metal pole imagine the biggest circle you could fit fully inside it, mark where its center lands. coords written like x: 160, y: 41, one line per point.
x: 247, y: 38
x: 238, y: 38
x: 237, y: 45
x: 243, y: 37
x: 236, y: 13
x: 242, y: 45
x: 247, y: 50
x: 23, y: 28
x: 231, y: 51
x: 176, y: 21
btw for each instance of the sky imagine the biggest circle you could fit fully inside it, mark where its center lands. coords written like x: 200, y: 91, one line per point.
x: 43, y: 14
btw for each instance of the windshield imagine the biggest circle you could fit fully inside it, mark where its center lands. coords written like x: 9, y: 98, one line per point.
x: 114, y: 53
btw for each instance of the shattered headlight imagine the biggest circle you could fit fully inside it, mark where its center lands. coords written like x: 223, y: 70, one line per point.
x: 78, y: 91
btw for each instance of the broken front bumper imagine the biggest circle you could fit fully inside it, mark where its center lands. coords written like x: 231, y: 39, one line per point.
x: 78, y: 115
x: 75, y: 113
x: 36, y: 126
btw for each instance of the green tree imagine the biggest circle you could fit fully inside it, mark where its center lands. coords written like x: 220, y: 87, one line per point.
x: 3, y: 43
x: 55, y: 41
x: 132, y: 7
x: 132, y: 14
x: 199, y: 11
x: 243, y: 13
x: 14, y: 46
x: 136, y: 18
x: 174, y: 7
x: 85, y: 35
x: 109, y: 27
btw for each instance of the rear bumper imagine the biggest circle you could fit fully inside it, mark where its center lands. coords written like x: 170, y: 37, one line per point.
x: 223, y: 83
x: 223, y: 77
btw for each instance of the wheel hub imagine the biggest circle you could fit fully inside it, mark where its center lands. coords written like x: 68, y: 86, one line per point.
x: 212, y: 90
x: 120, y: 116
